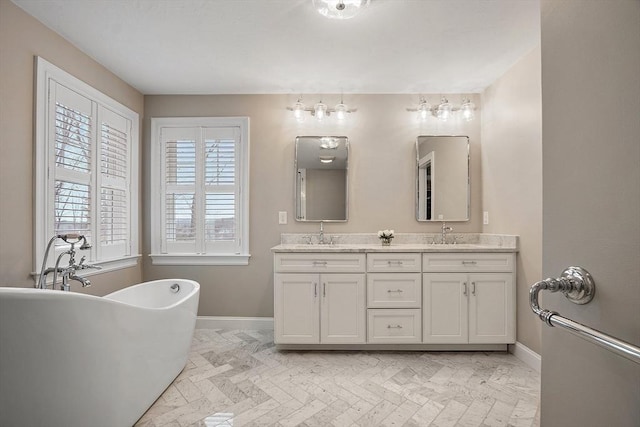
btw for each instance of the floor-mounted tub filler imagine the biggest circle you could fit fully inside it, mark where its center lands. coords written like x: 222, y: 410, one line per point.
x: 70, y: 359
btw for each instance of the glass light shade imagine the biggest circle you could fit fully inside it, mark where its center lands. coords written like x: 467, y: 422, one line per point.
x: 424, y: 109
x: 320, y: 111
x: 466, y: 109
x: 341, y: 111
x: 339, y: 9
x: 444, y: 110
x: 298, y: 111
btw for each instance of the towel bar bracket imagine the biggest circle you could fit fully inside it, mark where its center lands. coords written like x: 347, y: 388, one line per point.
x: 575, y: 283
x: 578, y: 286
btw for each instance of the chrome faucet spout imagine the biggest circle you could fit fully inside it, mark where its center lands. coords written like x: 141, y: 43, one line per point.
x: 84, y: 282
x: 443, y: 237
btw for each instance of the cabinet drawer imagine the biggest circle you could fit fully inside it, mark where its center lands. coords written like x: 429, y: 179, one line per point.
x: 394, y: 290
x: 400, y: 326
x: 394, y: 262
x: 319, y: 262
x: 468, y: 262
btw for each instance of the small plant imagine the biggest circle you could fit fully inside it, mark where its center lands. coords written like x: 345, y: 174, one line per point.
x: 385, y: 236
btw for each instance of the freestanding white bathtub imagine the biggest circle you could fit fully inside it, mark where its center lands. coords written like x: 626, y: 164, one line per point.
x: 69, y: 359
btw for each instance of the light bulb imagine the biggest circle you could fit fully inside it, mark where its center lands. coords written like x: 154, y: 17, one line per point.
x: 466, y: 109
x: 423, y: 110
x: 298, y: 111
x: 444, y: 110
x: 320, y: 111
x: 341, y: 111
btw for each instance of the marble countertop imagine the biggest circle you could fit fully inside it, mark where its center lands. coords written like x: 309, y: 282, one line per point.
x: 365, y: 248
x: 407, y: 242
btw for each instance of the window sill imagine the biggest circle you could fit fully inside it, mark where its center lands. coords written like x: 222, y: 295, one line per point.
x: 195, y: 259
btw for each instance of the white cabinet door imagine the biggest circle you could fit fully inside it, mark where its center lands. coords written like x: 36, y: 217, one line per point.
x: 445, y: 308
x: 491, y: 308
x: 296, y: 309
x: 343, y: 309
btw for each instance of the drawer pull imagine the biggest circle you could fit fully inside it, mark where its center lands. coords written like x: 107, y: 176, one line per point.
x: 320, y: 263
x: 397, y: 290
x: 465, y: 288
x: 473, y: 288
x: 469, y: 262
x: 394, y: 262
x: 315, y: 289
x: 394, y: 326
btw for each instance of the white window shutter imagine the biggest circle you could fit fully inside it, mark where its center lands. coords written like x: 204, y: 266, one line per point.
x: 181, y: 211
x: 114, y: 179
x: 74, y: 130
x: 221, y: 186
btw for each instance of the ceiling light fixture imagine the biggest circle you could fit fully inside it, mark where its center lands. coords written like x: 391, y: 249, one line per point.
x: 339, y: 9
x: 445, y: 110
x: 327, y: 159
x: 320, y: 110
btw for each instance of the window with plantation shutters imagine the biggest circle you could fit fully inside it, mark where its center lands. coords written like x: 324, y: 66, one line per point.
x: 200, y: 173
x: 86, y: 149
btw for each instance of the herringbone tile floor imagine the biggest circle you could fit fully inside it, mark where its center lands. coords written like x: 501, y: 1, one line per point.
x: 238, y: 378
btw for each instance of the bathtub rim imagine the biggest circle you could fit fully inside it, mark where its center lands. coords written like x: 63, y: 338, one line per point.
x: 9, y: 290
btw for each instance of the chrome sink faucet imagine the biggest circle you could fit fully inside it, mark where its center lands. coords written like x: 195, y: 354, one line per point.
x: 321, y: 236
x: 443, y: 237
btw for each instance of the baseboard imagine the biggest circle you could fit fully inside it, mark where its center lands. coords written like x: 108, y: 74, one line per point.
x: 528, y: 356
x: 226, y: 322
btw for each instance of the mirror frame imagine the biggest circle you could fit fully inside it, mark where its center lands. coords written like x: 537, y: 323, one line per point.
x: 417, y: 179
x: 295, y: 180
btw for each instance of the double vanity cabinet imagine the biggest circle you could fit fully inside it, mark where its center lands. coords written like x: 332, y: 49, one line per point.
x: 414, y: 295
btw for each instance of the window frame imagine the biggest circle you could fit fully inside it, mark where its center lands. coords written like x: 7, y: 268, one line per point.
x: 157, y: 184
x: 48, y: 75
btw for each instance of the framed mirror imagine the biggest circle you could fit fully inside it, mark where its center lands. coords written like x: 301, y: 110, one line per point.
x: 442, y: 178
x: 321, y: 181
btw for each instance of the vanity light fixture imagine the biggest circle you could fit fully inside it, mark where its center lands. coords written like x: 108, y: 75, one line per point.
x: 339, y: 9
x: 445, y: 110
x: 320, y: 111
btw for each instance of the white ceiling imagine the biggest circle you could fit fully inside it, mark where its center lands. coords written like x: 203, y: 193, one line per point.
x: 285, y: 46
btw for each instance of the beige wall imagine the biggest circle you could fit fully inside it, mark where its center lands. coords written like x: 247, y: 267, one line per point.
x: 381, y: 181
x: 591, y: 205
x: 21, y: 38
x: 511, y: 179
